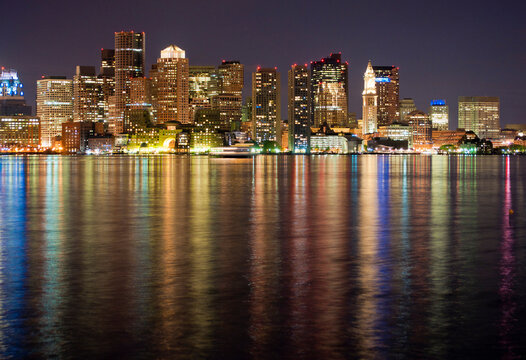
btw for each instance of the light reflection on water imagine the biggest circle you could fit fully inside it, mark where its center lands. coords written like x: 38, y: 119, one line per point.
x: 276, y: 257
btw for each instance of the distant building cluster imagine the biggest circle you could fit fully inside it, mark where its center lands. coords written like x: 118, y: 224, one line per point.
x: 179, y: 107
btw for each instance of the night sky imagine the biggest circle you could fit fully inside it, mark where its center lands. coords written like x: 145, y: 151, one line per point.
x: 444, y: 49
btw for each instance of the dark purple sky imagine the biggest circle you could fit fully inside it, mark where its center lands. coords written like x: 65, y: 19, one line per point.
x: 444, y: 49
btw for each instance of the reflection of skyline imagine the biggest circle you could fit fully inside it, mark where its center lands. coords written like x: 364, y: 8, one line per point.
x: 290, y: 256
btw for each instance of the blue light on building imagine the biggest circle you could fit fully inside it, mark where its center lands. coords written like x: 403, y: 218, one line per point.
x: 382, y: 79
x: 438, y: 102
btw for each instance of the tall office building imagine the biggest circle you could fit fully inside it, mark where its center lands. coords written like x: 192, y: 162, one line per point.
x: 439, y: 114
x: 266, y: 105
x: 107, y: 75
x: 480, y: 114
x: 407, y: 106
x: 54, y: 106
x: 203, y: 84
x: 229, y: 100
x: 88, y: 97
x: 129, y: 63
x: 329, y: 91
x: 12, y: 100
x: 370, y: 102
x: 231, y: 75
x: 171, y: 86
x: 421, y: 132
x: 139, y: 114
x: 388, y: 90
x: 299, y: 108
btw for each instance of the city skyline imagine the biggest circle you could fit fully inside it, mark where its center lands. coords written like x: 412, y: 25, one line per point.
x: 446, y: 63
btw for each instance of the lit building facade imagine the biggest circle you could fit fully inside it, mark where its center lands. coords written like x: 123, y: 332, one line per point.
x: 170, y: 82
x: 439, y: 114
x: 370, y: 101
x: 329, y: 91
x: 396, y: 131
x: 12, y: 101
x: 299, y: 106
x: 206, y: 132
x: 75, y: 136
x: 480, y: 114
x: 19, y: 132
x: 88, y: 97
x: 10, y: 85
x: 107, y: 76
x: 421, y: 132
x: 203, y: 84
x: 266, y: 105
x: 388, y: 90
x: 54, y: 106
x: 139, y: 113
x: 129, y: 63
x: 230, y: 98
x: 407, y: 106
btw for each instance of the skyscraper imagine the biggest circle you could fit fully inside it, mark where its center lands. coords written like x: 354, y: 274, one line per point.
x: 138, y: 113
x: 203, y: 84
x: 12, y: 100
x: 266, y: 107
x: 439, y: 114
x: 407, y: 106
x: 230, y: 100
x: 480, y: 114
x: 231, y: 75
x: 370, y: 101
x: 107, y: 75
x: 129, y: 63
x: 171, y: 87
x: 88, y: 97
x: 329, y: 91
x: 388, y: 90
x: 54, y: 106
x: 299, y: 108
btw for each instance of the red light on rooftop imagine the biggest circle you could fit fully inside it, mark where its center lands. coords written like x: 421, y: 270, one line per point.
x: 305, y: 65
x: 275, y: 68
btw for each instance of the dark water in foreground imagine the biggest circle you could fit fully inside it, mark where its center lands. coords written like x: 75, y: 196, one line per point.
x: 277, y: 257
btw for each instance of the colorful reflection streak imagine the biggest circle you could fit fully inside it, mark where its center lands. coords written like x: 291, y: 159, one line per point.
x: 273, y: 257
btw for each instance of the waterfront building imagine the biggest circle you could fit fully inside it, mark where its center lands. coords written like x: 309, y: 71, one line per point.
x: 230, y: 100
x: 206, y: 133
x: 54, y: 106
x: 388, y: 90
x: 370, y: 101
x: 407, y: 106
x: 17, y: 132
x: 170, y: 80
x: 299, y: 107
x: 480, y: 114
x: 203, y: 84
x: 75, y: 136
x: 439, y: 114
x: 107, y: 76
x: 129, y: 64
x: 88, y: 96
x: 266, y: 105
x: 421, y: 132
x: 447, y: 137
x: 229, y: 106
x: 139, y: 113
x: 396, y: 131
x: 329, y: 91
